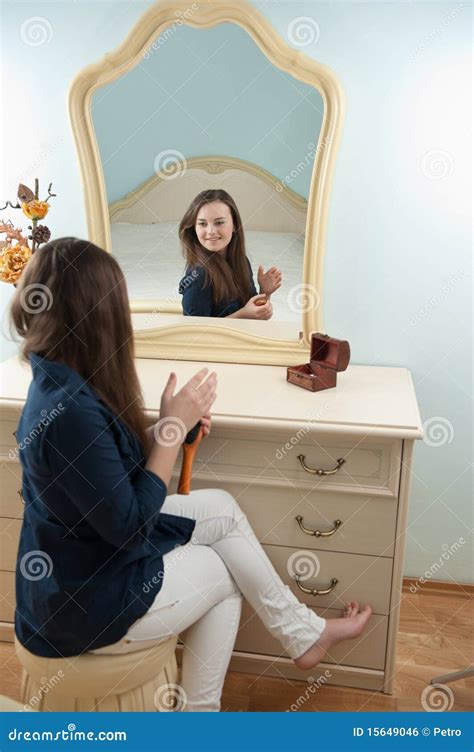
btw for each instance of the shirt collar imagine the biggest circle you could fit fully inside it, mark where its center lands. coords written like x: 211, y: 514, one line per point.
x: 53, y: 373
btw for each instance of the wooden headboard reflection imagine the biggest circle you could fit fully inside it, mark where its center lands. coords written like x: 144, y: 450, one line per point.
x: 264, y: 201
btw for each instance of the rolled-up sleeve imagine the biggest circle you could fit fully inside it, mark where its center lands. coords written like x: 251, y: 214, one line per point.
x: 253, y: 290
x: 81, y: 452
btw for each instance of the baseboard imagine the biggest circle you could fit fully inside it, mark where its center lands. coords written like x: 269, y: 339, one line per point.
x: 7, y: 631
x: 430, y: 587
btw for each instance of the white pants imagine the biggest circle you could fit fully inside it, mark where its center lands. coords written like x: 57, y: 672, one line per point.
x: 201, y: 598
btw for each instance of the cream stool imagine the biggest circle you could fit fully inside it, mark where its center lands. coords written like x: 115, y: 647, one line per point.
x: 145, y: 680
x: 7, y: 705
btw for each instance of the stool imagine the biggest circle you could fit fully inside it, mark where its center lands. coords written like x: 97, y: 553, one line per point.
x: 7, y: 705
x: 145, y: 680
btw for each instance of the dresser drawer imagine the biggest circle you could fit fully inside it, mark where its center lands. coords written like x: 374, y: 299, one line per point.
x: 7, y: 596
x: 366, y: 579
x: 8, y: 426
x: 368, y: 523
x: 9, y: 539
x: 11, y: 504
x: 367, y: 651
x: 371, y: 465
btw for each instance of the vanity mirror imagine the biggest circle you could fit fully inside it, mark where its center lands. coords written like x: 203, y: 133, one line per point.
x: 202, y: 97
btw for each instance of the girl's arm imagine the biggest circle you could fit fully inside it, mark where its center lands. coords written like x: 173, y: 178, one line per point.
x: 150, y: 433
x: 82, y: 455
x: 149, y: 440
x: 197, y: 297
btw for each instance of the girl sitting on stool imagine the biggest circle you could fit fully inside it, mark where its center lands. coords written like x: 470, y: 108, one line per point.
x: 128, y: 564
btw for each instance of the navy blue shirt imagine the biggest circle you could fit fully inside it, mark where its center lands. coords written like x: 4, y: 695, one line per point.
x: 90, y: 561
x: 198, y: 296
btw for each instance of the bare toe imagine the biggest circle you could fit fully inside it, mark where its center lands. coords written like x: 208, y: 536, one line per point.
x: 354, y: 608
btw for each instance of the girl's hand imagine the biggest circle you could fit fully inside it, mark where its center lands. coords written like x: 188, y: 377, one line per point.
x: 206, y: 424
x: 191, y: 404
x: 269, y: 281
x: 257, y: 307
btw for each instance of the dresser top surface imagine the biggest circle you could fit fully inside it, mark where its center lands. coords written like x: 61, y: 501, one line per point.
x: 367, y: 399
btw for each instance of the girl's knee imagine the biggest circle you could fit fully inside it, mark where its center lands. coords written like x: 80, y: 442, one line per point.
x: 227, y: 503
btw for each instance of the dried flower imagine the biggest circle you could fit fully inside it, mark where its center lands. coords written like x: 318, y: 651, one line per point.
x: 35, y: 209
x: 12, y: 233
x: 13, y: 259
x: 14, y: 247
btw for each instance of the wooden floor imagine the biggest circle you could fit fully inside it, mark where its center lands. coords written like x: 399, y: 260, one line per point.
x: 435, y: 637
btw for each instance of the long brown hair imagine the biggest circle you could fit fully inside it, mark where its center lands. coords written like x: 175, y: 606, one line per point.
x: 230, y: 276
x: 71, y: 305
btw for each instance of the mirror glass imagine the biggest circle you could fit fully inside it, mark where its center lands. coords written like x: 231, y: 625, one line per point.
x: 204, y: 109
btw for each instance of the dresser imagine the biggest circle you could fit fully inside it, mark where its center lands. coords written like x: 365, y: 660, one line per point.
x: 324, y: 479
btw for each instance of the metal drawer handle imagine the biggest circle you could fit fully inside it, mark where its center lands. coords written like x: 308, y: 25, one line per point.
x: 318, y: 533
x: 319, y: 471
x: 315, y: 591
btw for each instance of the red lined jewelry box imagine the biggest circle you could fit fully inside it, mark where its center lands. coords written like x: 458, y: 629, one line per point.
x: 328, y: 356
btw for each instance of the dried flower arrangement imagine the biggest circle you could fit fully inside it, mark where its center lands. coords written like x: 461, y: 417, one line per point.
x: 15, y: 250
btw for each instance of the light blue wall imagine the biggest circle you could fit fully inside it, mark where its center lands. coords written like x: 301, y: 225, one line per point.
x: 205, y: 92
x: 397, y: 275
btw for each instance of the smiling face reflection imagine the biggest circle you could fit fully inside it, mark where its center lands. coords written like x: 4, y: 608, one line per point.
x: 214, y: 226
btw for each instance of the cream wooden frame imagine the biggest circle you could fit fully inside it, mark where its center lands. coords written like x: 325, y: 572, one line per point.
x: 216, y: 342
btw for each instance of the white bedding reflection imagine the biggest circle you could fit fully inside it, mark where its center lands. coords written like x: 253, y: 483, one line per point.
x: 151, y: 259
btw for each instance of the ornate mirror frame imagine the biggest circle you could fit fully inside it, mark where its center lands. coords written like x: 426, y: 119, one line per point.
x: 214, y: 341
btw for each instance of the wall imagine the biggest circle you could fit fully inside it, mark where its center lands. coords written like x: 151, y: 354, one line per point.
x: 397, y: 275
x: 204, y: 92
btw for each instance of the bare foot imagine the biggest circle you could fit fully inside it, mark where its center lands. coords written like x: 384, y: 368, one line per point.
x: 351, y: 625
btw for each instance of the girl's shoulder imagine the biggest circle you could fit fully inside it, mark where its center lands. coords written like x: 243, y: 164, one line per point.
x: 194, y: 275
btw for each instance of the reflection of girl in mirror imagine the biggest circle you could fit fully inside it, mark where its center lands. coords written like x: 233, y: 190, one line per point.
x: 218, y: 279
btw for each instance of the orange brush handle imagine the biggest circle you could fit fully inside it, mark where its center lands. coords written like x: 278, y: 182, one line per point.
x: 189, y: 450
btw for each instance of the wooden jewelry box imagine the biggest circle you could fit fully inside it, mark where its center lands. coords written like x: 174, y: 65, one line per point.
x: 328, y: 356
